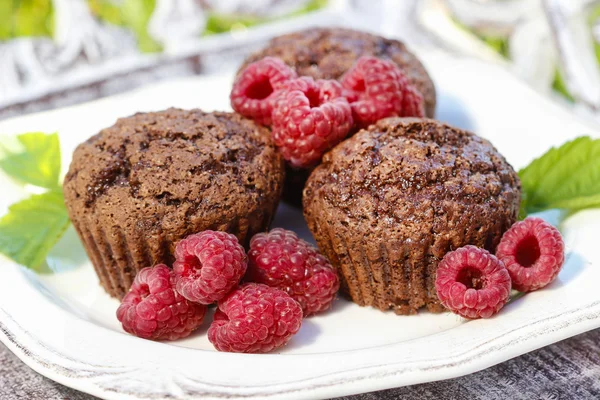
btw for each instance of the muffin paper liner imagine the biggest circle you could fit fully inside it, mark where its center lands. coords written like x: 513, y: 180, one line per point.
x: 118, y: 256
x: 398, y: 275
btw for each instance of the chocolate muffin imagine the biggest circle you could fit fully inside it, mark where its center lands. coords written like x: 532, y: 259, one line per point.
x: 327, y: 53
x: 387, y: 204
x: 135, y: 189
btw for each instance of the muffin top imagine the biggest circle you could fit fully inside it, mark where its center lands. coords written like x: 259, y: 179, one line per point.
x: 172, y: 169
x: 413, y: 178
x: 327, y: 53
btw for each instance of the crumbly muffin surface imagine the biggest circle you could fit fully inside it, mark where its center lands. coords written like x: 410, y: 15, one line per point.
x: 327, y: 53
x: 135, y: 189
x: 387, y: 204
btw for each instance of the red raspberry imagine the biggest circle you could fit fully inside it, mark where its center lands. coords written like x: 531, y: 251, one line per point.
x: 254, y: 318
x: 254, y: 91
x: 208, y: 265
x: 309, y: 118
x: 472, y: 282
x: 533, y: 252
x: 280, y: 259
x: 380, y: 89
x: 154, y: 310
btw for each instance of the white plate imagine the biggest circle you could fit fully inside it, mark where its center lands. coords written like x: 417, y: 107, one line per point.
x: 63, y: 324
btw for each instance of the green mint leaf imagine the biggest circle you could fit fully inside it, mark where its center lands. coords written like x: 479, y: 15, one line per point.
x: 37, y: 162
x: 32, y: 227
x: 567, y: 177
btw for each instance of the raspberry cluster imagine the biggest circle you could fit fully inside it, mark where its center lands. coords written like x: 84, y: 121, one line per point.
x: 309, y: 117
x: 280, y: 259
x: 476, y: 284
x: 380, y: 89
x: 289, y: 280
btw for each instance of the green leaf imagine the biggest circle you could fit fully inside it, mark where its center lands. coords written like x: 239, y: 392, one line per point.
x: 593, y: 19
x: 567, y: 177
x: 32, y: 227
x: 499, y: 44
x: 37, y: 162
x: 6, y: 9
x: 26, y: 18
x: 219, y: 23
x: 132, y: 14
x: 314, y: 5
x: 106, y: 11
x: 136, y: 15
x: 560, y: 86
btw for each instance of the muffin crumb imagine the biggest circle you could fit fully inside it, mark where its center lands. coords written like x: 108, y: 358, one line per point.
x: 138, y: 187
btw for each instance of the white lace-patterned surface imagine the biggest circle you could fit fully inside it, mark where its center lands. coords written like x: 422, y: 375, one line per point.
x: 86, y: 51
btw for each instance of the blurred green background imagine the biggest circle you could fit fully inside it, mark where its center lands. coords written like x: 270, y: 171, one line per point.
x: 20, y: 18
x: 27, y: 18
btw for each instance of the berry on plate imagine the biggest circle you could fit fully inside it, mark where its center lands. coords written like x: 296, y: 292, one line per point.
x: 254, y: 91
x: 280, y: 259
x: 533, y: 252
x: 254, y: 318
x: 380, y: 89
x: 208, y: 265
x: 154, y: 310
x: 309, y: 118
x: 472, y: 282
